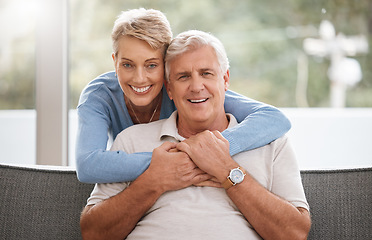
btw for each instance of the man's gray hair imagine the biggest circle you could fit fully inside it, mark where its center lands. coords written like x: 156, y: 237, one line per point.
x: 191, y: 40
x: 149, y: 25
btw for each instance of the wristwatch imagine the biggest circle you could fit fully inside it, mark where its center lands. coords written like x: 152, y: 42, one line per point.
x: 236, y: 176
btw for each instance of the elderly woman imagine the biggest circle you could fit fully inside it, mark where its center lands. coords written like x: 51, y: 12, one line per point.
x: 134, y: 94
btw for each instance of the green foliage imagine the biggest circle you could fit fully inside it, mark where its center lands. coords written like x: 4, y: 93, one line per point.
x: 263, y: 39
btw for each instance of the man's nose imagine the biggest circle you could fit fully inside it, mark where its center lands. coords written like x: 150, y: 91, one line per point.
x: 196, y: 83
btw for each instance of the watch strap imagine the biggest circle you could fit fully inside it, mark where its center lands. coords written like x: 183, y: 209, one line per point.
x: 228, y: 183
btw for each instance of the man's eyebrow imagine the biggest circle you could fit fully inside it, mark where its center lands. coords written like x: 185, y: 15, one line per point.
x: 182, y: 73
x: 206, y: 70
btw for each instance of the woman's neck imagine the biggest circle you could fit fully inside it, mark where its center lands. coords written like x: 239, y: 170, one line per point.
x: 144, y: 114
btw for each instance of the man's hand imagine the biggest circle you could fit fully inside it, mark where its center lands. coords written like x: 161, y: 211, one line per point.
x: 210, y: 152
x: 212, y: 182
x: 172, y: 170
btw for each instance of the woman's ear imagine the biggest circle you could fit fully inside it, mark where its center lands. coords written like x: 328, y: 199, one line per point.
x: 114, y: 59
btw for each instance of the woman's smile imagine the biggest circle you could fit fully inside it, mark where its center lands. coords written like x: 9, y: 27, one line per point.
x: 140, y: 89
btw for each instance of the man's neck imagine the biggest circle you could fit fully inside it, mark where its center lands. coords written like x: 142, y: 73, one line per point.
x: 188, y: 129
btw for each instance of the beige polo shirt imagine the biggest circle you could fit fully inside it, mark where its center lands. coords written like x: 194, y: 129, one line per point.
x: 205, y: 212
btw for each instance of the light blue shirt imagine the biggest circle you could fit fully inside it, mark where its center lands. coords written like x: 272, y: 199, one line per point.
x: 102, y: 113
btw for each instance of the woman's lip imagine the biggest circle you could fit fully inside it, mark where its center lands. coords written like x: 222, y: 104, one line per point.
x: 140, y: 89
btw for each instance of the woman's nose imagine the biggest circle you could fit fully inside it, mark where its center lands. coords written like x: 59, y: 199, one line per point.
x: 140, y: 75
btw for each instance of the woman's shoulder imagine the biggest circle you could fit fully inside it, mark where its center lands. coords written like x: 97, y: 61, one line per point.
x: 106, y: 80
x: 104, y: 85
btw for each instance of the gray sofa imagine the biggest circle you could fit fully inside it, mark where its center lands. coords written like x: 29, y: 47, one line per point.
x: 45, y: 203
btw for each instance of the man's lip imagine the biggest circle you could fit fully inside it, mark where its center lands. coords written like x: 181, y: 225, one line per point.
x: 201, y: 100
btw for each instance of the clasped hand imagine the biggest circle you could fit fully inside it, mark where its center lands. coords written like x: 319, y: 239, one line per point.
x: 196, y: 161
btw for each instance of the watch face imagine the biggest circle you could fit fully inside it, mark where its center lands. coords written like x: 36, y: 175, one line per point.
x: 236, y: 176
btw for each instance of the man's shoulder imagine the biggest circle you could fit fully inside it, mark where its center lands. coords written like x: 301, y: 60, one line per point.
x: 142, y: 131
x: 274, y: 146
x: 139, y: 138
x: 283, y: 140
x: 277, y: 143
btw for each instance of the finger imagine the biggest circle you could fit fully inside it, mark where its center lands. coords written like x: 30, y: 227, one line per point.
x: 214, y: 179
x: 208, y: 183
x: 183, y: 147
x: 173, y: 150
x: 167, y: 146
x: 218, y: 135
x: 200, y: 178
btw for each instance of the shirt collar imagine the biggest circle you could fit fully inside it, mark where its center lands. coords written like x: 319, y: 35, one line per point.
x: 169, y: 128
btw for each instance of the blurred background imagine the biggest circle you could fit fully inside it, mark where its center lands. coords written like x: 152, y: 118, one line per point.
x: 311, y: 59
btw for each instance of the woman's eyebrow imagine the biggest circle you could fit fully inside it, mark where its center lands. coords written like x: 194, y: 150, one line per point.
x: 153, y: 59
x: 126, y: 59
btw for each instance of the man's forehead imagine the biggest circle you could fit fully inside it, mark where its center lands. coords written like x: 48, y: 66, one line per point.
x: 199, y: 59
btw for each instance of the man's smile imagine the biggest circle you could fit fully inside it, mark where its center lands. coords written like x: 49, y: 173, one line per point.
x: 198, y: 100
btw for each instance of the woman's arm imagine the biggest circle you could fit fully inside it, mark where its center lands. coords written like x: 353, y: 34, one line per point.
x: 93, y: 163
x: 259, y: 123
x: 102, y: 109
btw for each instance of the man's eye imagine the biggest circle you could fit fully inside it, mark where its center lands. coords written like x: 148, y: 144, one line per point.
x: 183, y: 77
x: 206, y: 73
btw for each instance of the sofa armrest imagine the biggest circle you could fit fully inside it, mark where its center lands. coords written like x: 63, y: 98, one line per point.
x: 41, y: 202
x: 340, y: 203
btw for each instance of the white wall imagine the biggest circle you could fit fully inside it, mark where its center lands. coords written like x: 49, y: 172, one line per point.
x: 18, y: 136
x: 331, y: 138
x: 322, y: 138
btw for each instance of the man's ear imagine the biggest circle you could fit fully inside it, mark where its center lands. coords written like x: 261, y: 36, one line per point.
x: 226, y: 79
x: 167, y: 87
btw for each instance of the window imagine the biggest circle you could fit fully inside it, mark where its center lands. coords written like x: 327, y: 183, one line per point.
x: 17, y: 81
x: 265, y: 44
x: 277, y: 52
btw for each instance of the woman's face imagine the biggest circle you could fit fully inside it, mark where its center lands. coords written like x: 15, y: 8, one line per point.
x: 140, y: 70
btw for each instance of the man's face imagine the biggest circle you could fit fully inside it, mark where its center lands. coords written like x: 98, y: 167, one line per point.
x: 197, y: 87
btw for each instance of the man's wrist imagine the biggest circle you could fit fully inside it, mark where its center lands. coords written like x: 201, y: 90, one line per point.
x: 235, y: 176
x: 150, y: 184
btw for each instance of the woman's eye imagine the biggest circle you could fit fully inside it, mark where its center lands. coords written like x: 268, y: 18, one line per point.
x: 151, y: 66
x: 127, y: 65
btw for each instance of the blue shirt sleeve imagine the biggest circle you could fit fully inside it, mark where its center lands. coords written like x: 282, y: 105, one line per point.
x: 102, y: 111
x: 259, y: 123
x: 94, y: 164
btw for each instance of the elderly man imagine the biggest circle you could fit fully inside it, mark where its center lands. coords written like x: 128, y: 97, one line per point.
x: 261, y: 194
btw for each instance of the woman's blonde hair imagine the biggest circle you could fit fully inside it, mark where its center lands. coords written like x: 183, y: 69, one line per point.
x: 149, y: 25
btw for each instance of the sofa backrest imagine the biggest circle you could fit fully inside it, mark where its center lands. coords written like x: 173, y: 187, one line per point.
x: 40, y: 203
x: 37, y: 203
